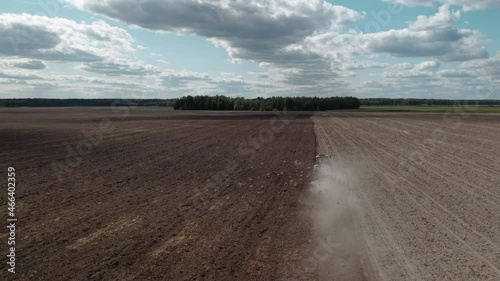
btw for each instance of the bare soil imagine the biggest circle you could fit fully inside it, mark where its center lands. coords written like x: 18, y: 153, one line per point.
x: 153, y: 194
x: 427, y: 195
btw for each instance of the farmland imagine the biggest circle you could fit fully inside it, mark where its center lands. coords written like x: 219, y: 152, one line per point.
x: 427, y: 194
x: 153, y: 194
x: 457, y: 109
x: 156, y: 194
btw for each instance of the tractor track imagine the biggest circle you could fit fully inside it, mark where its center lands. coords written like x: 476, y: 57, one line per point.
x: 437, y: 211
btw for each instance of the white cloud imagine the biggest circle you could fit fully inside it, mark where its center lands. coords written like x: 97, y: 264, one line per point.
x: 434, y: 36
x: 455, y: 73
x: 258, y: 30
x: 59, y: 39
x: 428, y: 66
x: 475, y: 79
x: 358, y: 65
x: 117, y: 67
x: 19, y: 74
x: 30, y: 64
x: 467, y: 5
x: 301, y: 45
x: 23, y: 63
x: 231, y: 20
x: 174, y: 79
x: 429, y: 36
x: 443, y: 20
x: 299, y: 42
x: 424, y: 69
x: 484, y: 71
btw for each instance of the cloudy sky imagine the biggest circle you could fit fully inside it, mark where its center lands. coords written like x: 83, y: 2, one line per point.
x: 170, y: 48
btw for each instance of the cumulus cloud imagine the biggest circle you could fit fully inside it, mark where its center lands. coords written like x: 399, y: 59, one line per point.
x: 19, y: 75
x: 424, y: 69
x: 182, y: 78
x: 484, y: 70
x: 455, y: 73
x: 474, y: 79
x: 467, y: 5
x: 428, y: 66
x: 30, y: 64
x: 117, y: 67
x: 59, y: 39
x: 278, y: 20
x: 300, y: 42
x: 433, y: 36
x: 23, y: 63
x: 302, y: 46
x: 259, y: 30
x: 359, y: 65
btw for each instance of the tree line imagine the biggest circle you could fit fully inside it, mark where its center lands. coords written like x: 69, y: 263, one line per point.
x: 266, y: 104
x: 84, y: 102
x: 425, y: 102
x: 260, y: 104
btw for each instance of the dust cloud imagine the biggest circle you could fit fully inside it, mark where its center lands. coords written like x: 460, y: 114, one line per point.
x: 334, y: 211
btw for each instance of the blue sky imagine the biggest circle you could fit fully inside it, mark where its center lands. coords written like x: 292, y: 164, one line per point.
x: 163, y: 49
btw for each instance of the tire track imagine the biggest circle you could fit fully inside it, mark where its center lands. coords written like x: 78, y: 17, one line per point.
x: 478, y: 219
x: 375, y: 147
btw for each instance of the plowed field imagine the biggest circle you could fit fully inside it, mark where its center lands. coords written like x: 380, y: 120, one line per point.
x: 156, y: 195
x: 153, y: 194
x: 427, y: 195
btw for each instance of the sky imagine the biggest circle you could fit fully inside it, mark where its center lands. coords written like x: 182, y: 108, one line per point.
x: 241, y: 48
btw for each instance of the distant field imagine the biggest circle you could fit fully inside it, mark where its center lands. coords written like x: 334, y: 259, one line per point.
x: 470, y: 109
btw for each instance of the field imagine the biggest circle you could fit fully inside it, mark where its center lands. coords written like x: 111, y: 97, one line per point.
x: 436, y: 109
x: 426, y: 194
x: 155, y: 194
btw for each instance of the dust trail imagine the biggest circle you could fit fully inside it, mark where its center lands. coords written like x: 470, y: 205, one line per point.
x: 334, y: 212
